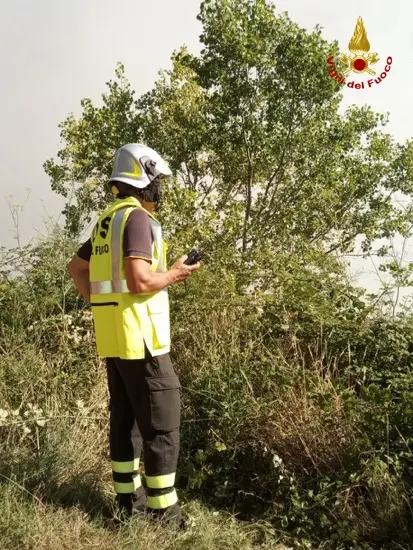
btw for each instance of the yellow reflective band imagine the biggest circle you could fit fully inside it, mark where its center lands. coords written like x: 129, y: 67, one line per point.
x: 125, y: 467
x: 160, y: 482
x: 116, y: 234
x: 109, y: 287
x: 163, y: 501
x: 136, y: 170
x: 126, y: 488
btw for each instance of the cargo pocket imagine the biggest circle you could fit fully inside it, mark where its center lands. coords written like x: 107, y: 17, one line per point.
x: 165, y: 403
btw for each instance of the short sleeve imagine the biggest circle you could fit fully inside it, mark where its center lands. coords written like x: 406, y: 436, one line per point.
x: 137, y: 236
x: 85, y: 251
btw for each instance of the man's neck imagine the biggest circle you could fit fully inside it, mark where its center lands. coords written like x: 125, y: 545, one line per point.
x: 147, y: 206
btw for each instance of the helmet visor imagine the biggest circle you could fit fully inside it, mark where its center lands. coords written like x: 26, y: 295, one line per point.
x: 153, y: 169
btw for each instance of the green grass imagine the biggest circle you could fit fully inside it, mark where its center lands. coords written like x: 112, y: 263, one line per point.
x: 55, y: 477
x: 29, y: 524
x: 266, y: 439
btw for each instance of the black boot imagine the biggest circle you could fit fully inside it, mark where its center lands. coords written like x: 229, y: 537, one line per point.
x: 131, y: 504
x: 170, y: 517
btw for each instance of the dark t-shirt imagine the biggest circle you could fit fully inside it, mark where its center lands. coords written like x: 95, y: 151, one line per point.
x: 137, y: 238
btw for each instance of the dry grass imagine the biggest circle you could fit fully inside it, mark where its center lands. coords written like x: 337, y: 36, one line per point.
x: 55, y: 480
x: 55, y: 477
x: 303, y: 434
x: 26, y: 525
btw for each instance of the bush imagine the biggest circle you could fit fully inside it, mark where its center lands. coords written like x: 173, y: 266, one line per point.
x: 294, y: 420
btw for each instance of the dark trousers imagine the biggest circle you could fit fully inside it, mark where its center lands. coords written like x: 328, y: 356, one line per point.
x: 144, y: 415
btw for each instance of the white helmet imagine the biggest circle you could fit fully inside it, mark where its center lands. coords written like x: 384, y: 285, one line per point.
x: 138, y: 165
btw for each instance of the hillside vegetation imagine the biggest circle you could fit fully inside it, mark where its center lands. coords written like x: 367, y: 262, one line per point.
x: 297, y: 385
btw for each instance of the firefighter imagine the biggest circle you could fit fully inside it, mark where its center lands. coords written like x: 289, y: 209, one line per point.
x: 121, y: 271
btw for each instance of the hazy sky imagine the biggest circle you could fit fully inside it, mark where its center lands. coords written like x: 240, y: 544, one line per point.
x: 54, y: 53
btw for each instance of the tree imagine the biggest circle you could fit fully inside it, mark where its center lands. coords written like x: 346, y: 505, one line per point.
x: 85, y: 161
x: 262, y: 155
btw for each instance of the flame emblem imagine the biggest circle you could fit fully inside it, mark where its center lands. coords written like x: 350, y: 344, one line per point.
x: 359, y: 46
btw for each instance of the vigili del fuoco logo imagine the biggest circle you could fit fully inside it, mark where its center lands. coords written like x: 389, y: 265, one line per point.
x: 359, y: 61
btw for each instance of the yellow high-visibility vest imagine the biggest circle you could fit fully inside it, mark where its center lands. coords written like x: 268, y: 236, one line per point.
x: 125, y: 322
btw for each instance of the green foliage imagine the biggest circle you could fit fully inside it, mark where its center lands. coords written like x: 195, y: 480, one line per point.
x: 298, y: 396
x: 252, y: 128
x: 291, y: 442
x: 297, y: 405
x: 85, y: 162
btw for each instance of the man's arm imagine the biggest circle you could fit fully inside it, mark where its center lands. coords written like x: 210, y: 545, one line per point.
x: 79, y: 271
x: 137, y: 251
x: 141, y: 280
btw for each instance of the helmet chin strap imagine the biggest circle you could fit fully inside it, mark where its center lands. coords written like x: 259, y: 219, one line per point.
x: 152, y: 193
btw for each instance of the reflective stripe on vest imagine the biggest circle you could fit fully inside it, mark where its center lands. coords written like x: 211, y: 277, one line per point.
x: 118, y: 285
x: 108, y: 287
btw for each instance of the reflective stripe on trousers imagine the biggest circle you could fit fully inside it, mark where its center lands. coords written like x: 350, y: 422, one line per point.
x: 161, y: 492
x: 126, y: 478
x: 162, y: 501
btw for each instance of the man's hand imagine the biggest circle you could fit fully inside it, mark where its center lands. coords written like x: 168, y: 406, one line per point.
x: 180, y: 272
